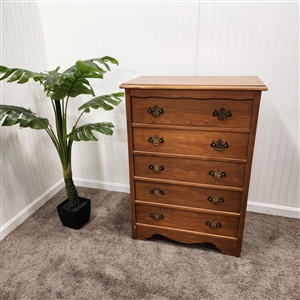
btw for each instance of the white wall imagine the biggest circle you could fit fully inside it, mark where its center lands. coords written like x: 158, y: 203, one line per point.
x: 30, y: 171
x: 190, y: 38
x: 180, y: 38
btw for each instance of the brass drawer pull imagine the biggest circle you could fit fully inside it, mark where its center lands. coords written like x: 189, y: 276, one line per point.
x: 156, y: 140
x: 155, y: 111
x: 213, y: 224
x: 217, y: 174
x: 222, y: 113
x: 156, y: 168
x: 157, y: 192
x: 156, y: 216
x: 219, y: 145
x: 215, y: 199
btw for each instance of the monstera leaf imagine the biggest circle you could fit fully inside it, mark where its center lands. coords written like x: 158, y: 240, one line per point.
x: 19, y: 75
x: 73, y: 81
x: 103, y: 102
x: 11, y: 115
x: 70, y: 83
x: 85, y: 132
x: 94, y: 67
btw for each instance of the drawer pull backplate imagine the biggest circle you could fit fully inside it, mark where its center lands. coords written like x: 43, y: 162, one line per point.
x: 155, y: 111
x: 215, y: 199
x: 217, y: 174
x: 156, y: 216
x: 156, y: 168
x: 219, y: 145
x: 213, y: 224
x: 156, y: 140
x: 157, y: 192
x: 222, y: 113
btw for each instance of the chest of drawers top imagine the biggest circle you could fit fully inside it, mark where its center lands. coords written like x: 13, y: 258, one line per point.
x: 237, y: 83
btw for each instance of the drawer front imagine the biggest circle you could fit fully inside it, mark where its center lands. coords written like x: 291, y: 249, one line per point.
x: 187, y: 220
x: 191, y: 142
x: 190, y: 170
x: 188, y: 196
x: 192, y: 112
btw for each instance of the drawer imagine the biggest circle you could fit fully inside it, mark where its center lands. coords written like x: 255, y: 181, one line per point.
x: 191, y: 142
x: 187, y: 220
x: 190, y: 170
x: 192, y: 112
x: 188, y: 196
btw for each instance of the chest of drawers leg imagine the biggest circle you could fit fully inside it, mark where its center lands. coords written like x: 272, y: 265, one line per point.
x: 191, y: 142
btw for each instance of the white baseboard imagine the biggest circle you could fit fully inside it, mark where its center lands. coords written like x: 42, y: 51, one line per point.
x: 284, y: 211
x: 263, y: 208
x: 29, y: 210
x: 37, y: 203
x: 103, y: 185
x: 277, y: 210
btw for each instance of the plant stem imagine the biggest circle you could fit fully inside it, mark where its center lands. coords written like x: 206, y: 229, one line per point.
x: 58, y: 113
x: 78, y: 119
x: 70, y: 187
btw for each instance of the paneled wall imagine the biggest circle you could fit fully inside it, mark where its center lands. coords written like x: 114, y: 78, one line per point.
x: 194, y: 38
x: 157, y: 38
x: 30, y: 169
x: 261, y: 39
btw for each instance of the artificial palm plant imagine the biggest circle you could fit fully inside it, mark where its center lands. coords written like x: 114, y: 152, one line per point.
x: 60, y: 88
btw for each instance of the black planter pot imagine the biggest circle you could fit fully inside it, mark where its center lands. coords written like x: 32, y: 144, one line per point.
x: 77, y: 216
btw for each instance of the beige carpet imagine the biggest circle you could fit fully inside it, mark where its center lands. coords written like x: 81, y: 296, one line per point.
x: 42, y: 259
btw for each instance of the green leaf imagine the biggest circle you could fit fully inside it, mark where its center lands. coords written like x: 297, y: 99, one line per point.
x: 104, y: 60
x: 88, y: 69
x: 69, y: 86
x: 70, y: 83
x: 106, y: 102
x: 19, y: 75
x: 90, y: 62
x: 51, y: 79
x: 110, y: 59
x: 11, y: 115
x: 85, y: 132
x: 73, y: 81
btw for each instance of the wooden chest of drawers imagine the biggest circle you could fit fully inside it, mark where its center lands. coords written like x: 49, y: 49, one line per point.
x: 191, y: 142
